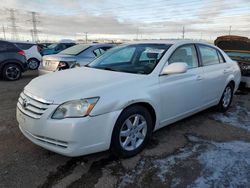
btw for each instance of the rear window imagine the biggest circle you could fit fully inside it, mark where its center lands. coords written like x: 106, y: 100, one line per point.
x: 6, y: 46
x: 24, y: 46
x: 209, y: 55
x: 75, y: 50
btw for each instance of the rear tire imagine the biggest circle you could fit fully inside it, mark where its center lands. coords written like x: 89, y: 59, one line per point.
x: 226, y: 99
x: 12, y: 72
x: 132, y: 131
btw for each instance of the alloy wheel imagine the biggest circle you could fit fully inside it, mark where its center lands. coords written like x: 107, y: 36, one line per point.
x: 133, y: 132
x: 227, y: 97
x: 12, y: 73
x: 33, y: 64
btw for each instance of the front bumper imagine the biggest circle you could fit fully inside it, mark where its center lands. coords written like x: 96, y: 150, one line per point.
x: 72, y: 136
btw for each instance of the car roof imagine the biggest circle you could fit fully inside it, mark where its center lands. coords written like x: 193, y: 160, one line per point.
x: 170, y: 42
x: 97, y: 44
x: 21, y: 42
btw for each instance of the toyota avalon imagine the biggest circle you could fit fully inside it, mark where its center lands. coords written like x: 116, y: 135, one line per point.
x: 117, y: 101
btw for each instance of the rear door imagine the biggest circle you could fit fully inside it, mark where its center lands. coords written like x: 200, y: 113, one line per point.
x: 215, y: 71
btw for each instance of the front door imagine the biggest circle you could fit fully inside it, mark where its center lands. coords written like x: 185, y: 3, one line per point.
x: 181, y: 94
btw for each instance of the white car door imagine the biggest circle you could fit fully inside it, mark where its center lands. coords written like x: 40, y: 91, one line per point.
x: 215, y: 72
x: 181, y: 94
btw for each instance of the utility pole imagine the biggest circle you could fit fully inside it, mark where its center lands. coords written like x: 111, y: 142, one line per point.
x: 86, y: 37
x: 183, y: 32
x: 137, y: 33
x: 230, y: 29
x: 32, y: 34
x: 34, y: 31
x: 4, y: 33
x: 14, y: 33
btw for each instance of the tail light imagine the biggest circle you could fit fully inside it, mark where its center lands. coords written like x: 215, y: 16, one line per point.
x: 21, y: 52
x: 62, y: 65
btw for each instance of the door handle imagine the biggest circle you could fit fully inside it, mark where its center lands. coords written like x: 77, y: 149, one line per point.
x: 199, y: 78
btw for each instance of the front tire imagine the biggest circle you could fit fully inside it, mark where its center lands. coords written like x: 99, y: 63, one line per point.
x: 226, y: 99
x: 33, y: 64
x: 12, y: 72
x: 132, y: 131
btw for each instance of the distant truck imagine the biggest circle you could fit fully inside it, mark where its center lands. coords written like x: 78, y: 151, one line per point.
x: 55, y: 48
x: 238, y: 49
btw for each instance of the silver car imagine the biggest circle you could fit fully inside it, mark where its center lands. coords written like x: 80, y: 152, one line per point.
x: 78, y: 55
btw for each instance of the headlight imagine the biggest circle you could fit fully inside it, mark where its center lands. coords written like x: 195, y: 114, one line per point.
x: 76, y: 108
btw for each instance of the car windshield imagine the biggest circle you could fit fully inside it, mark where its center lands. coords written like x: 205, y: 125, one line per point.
x: 52, y: 45
x: 134, y: 58
x: 75, y: 50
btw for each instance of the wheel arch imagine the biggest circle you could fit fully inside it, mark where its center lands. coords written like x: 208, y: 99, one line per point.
x: 34, y: 59
x: 146, y: 105
x: 4, y: 63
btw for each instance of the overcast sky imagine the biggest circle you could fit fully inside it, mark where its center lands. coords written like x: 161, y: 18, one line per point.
x: 128, y: 19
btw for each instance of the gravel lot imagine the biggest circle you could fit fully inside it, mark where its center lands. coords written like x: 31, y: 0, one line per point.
x: 206, y: 150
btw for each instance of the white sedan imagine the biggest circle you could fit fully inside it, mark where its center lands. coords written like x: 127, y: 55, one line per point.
x: 119, y: 99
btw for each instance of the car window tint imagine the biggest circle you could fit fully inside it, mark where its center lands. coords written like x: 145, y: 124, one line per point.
x: 221, y: 58
x: 24, y: 46
x: 123, y: 56
x: 98, y: 52
x: 209, y: 55
x: 69, y: 45
x: 186, y: 54
x: 105, y: 48
x: 5, y: 46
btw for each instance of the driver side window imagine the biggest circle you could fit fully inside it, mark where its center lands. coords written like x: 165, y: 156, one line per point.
x: 185, y: 54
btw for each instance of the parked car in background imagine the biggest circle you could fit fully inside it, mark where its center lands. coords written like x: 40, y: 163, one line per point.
x: 43, y: 45
x: 238, y: 49
x: 120, y: 98
x: 56, y: 48
x: 78, y: 55
x: 12, y: 61
x: 32, y: 53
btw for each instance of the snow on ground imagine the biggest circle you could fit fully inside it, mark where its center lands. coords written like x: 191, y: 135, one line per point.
x: 165, y: 165
x: 220, y: 164
x: 237, y: 116
x: 129, y: 178
x: 223, y: 164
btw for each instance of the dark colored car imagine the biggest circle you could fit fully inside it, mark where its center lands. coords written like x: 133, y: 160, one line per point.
x: 12, y: 61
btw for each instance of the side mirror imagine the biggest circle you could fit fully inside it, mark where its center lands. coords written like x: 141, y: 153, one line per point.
x: 175, y: 68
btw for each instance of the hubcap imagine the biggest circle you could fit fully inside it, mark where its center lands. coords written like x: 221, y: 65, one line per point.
x: 133, y: 132
x: 33, y: 64
x: 12, y: 73
x: 227, y: 97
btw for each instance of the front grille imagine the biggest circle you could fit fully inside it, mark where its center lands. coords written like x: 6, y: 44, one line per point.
x: 32, y: 106
x: 244, y: 67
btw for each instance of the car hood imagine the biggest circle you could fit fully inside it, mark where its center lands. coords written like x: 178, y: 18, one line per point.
x: 78, y: 83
